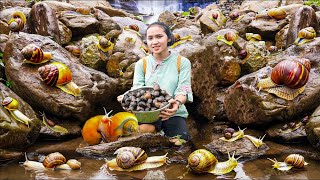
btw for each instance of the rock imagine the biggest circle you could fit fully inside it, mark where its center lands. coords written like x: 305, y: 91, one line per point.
x: 6, y: 15
x: 168, y: 18
x: 65, y: 33
x: 258, y: 6
x: 244, y: 104
x: 142, y: 141
x: 90, y: 4
x: 112, y: 12
x: 154, y: 175
x: 191, y: 30
x: 106, y: 23
x: 79, y: 24
x: 281, y: 37
x: 7, y: 155
x: 97, y: 89
x: 58, y: 6
x: 43, y: 21
x: 304, y: 17
x: 14, y: 134
x: 8, y: 3
x: 289, y: 135
x: 257, y: 58
x: 313, y: 129
x: 3, y: 41
x: 208, y: 24
x: 241, y: 24
x: 126, y: 21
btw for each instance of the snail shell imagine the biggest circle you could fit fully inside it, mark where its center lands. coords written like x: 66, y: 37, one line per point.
x: 234, y: 15
x: 113, y: 35
x: 17, y: 22
x: 55, y: 73
x: 75, y: 50
x: 34, y: 54
x: 104, y: 42
x: 295, y: 160
x: 243, y: 54
x: 53, y: 160
x: 74, y: 164
x: 83, y: 10
x: 10, y: 103
x: 130, y: 156
x: 134, y: 27
x: 277, y: 13
x: 201, y: 161
x: 176, y: 37
x: 215, y: 15
x: 231, y: 36
x: 294, y: 74
x: 308, y: 33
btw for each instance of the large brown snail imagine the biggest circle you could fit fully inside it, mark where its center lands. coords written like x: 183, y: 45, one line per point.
x: 33, y: 54
x: 11, y: 105
x: 17, y: 22
x: 229, y: 37
x: 203, y: 161
x: 292, y: 160
x: 180, y: 40
x: 105, y: 45
x: 277, y: 13
x: 288, y: 78
x: 133, y: 159
x: 305, y: 35
x: 59, y: 75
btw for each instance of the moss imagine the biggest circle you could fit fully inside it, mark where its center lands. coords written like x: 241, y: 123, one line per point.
x: 312, y: 2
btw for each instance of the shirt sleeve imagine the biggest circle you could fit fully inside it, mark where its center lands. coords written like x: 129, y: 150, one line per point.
x: 138, y: 76
x: 184, y: 83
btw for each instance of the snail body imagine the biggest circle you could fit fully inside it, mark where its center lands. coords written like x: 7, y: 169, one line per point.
x: 53, y: 126
x: 288, y: 78
x: 33, y: 54
x: 203, y: 161
x: 305, y: 35
x: 59, y: 75
x: 256, y: 142
x: 235, y: 136
x: 292, y: 160
x: 229, y: 38
x: 139, y: 159
x: 17, y: 22
x: 33, y: 164
x: 11, y: 105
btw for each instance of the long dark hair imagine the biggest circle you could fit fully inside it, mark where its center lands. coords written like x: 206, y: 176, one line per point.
x: 166, y: 29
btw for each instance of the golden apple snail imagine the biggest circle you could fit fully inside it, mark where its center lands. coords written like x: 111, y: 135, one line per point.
x: 203, y: 161
x: 134, y: 159
x: 113, y: 35
x: 33, y: 54
x: 59, y: 75
x: 11, y: 105
x: 277, y: 13
x: 292, y: 160
x: 17, y: 22
x: 83, y: 10
x: 305, y: 35
x: 288, y: 78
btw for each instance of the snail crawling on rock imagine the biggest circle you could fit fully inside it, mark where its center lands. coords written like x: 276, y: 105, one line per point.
x: 133, y: 28
x: 12, y: 105
x: 33, y: 54
x: 133, y: 159
x: 292, y: 160
x: 305, y: 35
x: 203, y: 161
x: 229, y: 37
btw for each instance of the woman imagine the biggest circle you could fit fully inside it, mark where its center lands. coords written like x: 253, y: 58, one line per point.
x: 161, y: 68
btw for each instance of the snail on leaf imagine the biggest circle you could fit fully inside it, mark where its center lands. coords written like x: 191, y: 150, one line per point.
x: 217, y: 17
x: 235, y: 16
x: 51, y: 125
x: 105, y: 45
x: 229, y: 38
x: 58, y: 74
x: 12, y: 105
x: 133, y: 28
x: 288, y: 78
x: 305, y: 35
x: 180, y: 40
x: 33, y: 54
x: 17, y: 22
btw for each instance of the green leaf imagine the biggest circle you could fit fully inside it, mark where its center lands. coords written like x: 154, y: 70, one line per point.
x: 185, y: 13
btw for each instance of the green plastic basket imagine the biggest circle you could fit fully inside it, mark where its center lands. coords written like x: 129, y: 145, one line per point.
x: 146, y: 116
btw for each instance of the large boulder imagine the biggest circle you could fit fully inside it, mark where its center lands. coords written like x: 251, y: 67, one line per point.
x: 98, y: 89
x: 313, y: 129
x: 126, y: 21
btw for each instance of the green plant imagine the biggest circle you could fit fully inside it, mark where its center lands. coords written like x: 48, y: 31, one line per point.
x: 311, y: 2
x: 1, y: 62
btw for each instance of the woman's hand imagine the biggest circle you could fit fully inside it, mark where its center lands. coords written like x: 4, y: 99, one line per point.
x: 120, y: 98
x: 167, y: 113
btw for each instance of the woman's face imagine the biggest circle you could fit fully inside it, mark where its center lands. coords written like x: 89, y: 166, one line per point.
x: 157, y: 40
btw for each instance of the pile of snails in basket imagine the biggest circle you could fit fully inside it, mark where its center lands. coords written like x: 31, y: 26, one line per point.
x: 145, y: 100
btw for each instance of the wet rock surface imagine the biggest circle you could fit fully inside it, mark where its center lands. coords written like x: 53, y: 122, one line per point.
x: 313, y: 130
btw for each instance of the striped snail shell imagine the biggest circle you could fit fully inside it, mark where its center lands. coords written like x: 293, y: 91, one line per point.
x: 176, y: 37
x: 294, y: 74
x: 234, y: 15
x: 134, y: 27
x: 53, y: 160
x: 231, y: 36
x: 74, y: 164
x: 55, y: 73
x: 277, y: 13
x: 308, y: 33
x: 34, y: 54
x: 130, y: 156
x: 10, y: 103
x: 295, y: 160
x: 17, y: 22
x: 201, y: 161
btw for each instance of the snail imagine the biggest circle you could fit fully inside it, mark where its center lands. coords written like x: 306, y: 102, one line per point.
x: 17, y: 22
x: 256, y: 142
x: 113, y: 35
x: 288, y: 78
x: 11, y: 105
x: 288, y: 128
x: 75, y: 50
x: 180, y: 40
x: 71, y: 164
x: 51, y: 125
x: 59, y: 75
x: 33, y: 54
x: 215, y: 15
x: 140, y: 159
x: 83, y: 10
x: 229, y: 38
x: 244, y: 55
x: 272, y: 48
x: 253, y: 37
x: 277, y: 13
x: 235, y: 16
x: 109, y: 128
x: 235, y: 136
x: 305, y: 35
x: 53, y: 160
x: 228, y: 132
x: 203, y: 161
x: 105, y: 45
x: 133, y: 28
x: 292, y: 160
x: 33, y: 164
